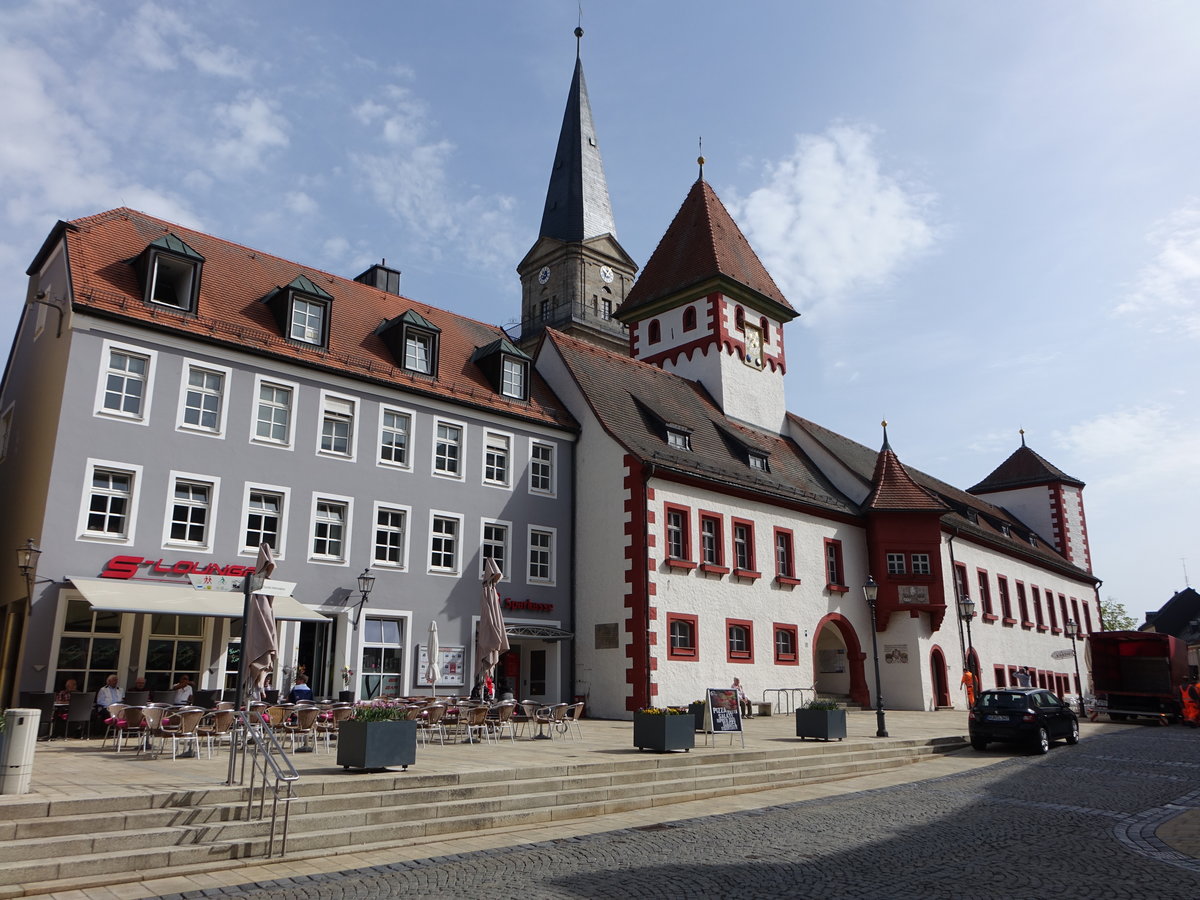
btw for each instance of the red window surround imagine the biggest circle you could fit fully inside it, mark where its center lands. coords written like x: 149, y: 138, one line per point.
x: 785, y: 558
x: 678, y: 525
x: 1053, y: 614
x: 999, y: 673
x: 985, y: 597
x: 1087, y: 618
x: 1005, y: 602
x: 1062, y: 604
x: 743, y: 549
x: 1037, y: 609
x: 835, y: 572
x: 712, y: 543
x: 683, y: 637
x: 787, y: 636
x: 739, y: 640
x: 1023, y: 606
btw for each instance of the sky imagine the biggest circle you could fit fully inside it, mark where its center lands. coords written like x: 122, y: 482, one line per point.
x: 987, y: 214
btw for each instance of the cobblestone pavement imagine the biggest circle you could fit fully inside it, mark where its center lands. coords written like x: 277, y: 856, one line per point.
x: 1077, y: 823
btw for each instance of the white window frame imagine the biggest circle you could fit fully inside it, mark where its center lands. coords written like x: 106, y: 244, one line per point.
x: 552, y: 491
x: 897, y: 564
x: 461, y: 474
x: 135, y: 473
x: 552, y: 551
x: 406, y: 532
x: 285, y: 496
x: 419, y: 338
x: 514, y: 378
x: 332, y: 397
x: 509, y: 443
x: 505, y: 569
x: 407, y: 464
x: 226, y: 374
x: 348, y: 504
x: 214, y: 487
x: 193, y: 267
x: 921, y: 564
x: 322, y: 305
x: 261, y: 381
x: 106, y: 351
x: 434, y: 515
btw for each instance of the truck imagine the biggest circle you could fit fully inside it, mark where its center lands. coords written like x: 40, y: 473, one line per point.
x: 1138, y: 674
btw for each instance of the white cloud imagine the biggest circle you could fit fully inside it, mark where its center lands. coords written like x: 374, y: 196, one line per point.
x: 252, y: 127
x: 300, y: 203
x: 1166, y: 295
x: 829, y: 221
x: 159, y: 38
x: 1137, y: 449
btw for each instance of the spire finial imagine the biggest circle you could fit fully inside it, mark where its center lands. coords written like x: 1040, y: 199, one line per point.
x: 700, y: 158
x: 579, y: 32
x: 1022, y: 437
x: 886, y: 445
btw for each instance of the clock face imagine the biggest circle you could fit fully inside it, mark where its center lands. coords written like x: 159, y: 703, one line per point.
x: 544, y: 275
x: 606, y: 274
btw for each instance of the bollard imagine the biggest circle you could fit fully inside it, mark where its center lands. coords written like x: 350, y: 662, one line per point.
x: 16, y: 750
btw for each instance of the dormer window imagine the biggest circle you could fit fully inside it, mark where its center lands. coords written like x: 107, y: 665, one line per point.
x: 1005, y: 529
x: 513, y: 375
x: 302, y: 309
x: 758, y: 461
x: 170, y: 273
x: 678, y: 438
x: 972, y: 517
x: 506, y: 367
x: 1033, y: 542
x: 418, y: 352
x: 413, y: 341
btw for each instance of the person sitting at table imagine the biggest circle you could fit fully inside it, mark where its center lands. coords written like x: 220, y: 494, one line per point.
x: 183, y: 690
x: 110, y: 693
x: 63, y: 697
x: 139, y: 684
x: 301, y: 692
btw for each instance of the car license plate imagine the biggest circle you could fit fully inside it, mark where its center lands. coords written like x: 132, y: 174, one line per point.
x: 997, y: 718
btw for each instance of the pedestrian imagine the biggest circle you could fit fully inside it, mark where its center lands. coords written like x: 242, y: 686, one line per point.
x: 1190, y: 697
x: 968, y: 683
x: 1021, y: 677
x: 743, y: 701
x: 489, y: 688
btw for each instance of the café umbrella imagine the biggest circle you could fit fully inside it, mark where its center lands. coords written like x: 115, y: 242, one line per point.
x: 258, y: 635
x: 493, y: 639
x: 433, y: 672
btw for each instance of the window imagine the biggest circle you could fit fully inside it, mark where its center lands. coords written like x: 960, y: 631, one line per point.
x: 513, y: 376
x: 90, y: 647
x: 382, y: 669
x: 920, y: 564
x: 606, y: 310
x: 273, y: 413
x: 1023, y: 606
x: 541, y: 555
x: 190, y: 512
x: 391, y: 536
x: 6, y: 423
x: 541, y: 468
x: 834, y: 573
x: 308, y: 321
x: 895, y: 564
x: 985, y: 597
x: 758, y: 461
x: 174, y: 649
x: 109, y: 504
x: 395, y: 431
x: 264, y: 519
x: 1075, y: 610
x: 739, y: 640
x: 202, y: 400
x: 125, y: 385
x: 444, y: 532
x: 655, y: 332
x: 712, y: 553
x: 1053, y: 614
x: 447, y: 450
x: 739, y: 319
x: 330, y: 536
x: 1087, y: 618
x: 171, y: 282
x: 689, y: 319
x: 1037, y: 608
x: 765, y: 326
x: 960, y: 581
x: 785, y: 560
x: 682, y: 634
x: 678, y: 532
x: 786, y: 642
x: 494, y: 545
x: 1005, y: 603
x: 678, y: 439
x: 337, y: 426
x: 743, y: 549
x: 544, y: 310
x: 496, y: 467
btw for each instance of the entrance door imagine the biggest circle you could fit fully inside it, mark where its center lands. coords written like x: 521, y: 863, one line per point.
x: 508, y: 675
x: 941, y: 687
x: 315, y: 654
x: 536, y: 683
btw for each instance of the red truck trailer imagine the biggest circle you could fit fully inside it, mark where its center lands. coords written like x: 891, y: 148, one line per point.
x: 1137, y: 673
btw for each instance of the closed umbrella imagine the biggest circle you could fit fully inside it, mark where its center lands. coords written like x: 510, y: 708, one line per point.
x: 493, y: 639
x: 258, y: 633
x: 433, y: 672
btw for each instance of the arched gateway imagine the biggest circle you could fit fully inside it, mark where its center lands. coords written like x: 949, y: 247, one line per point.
x: 838, y: 660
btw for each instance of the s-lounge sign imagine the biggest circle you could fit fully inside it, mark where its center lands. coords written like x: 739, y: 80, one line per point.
x: 140, y: 566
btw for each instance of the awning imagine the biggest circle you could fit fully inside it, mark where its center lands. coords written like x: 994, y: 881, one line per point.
x: 545, y: 632
x: 119, y: 595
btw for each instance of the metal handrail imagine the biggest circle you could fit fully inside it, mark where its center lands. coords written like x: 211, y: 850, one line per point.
x: 268, y: 758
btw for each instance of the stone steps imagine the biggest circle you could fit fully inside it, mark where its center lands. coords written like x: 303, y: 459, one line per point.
x: 50, y: 847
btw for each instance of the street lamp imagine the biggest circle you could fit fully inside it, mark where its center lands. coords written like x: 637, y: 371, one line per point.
x: 16, y: 625
x: 966, y: 612
x: 1072, y: 633
x: 27, y: 558
x: 366, y: 583
x: 871, y: 592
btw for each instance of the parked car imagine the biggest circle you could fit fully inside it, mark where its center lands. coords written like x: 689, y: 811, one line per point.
x: 1033, y: 716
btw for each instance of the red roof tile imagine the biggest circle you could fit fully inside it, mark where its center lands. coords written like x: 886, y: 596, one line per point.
x: 1023, y: 469
x: 894, y: 489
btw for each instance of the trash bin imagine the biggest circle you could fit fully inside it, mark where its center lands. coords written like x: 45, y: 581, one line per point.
x: 345, y: 696
x: 16, y: 749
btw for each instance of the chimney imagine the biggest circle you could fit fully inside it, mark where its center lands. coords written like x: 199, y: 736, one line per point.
x: 380, y: 276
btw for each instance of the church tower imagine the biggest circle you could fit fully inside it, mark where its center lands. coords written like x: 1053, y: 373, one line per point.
x: 705, y: 308
x: 576, y: 274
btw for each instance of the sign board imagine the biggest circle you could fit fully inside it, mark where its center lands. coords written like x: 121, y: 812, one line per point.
x: 724, y: 712
x: 450, y: 662
x: 229, y: 583
x: 1061, y: 654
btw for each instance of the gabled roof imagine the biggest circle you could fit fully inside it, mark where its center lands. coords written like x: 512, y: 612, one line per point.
x: 175, y: 245
x: 894, y: 490
x: 105, y: 283
x: 1023, y: 469
x: 703, y: 244
x: 577, y: 202
x: 632, y: 399
x: 1179, y: 616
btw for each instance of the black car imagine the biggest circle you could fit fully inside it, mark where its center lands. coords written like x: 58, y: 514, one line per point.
x: 1032, y: 716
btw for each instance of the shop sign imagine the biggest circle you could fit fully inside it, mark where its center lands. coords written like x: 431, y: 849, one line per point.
x: 141, y: 566
x: 527, y: 605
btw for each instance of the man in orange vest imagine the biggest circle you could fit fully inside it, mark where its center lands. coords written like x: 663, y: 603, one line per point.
x: 968, y: 682
x: 1190, y: 695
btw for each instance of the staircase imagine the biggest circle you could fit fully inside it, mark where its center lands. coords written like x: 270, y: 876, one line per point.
x: 49, y: 846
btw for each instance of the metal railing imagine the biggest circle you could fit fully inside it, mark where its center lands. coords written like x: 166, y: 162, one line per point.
x: 788, y: 700
x: 253, y: 741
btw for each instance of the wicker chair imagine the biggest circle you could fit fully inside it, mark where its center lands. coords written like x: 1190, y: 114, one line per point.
x: 432, y: 723
x: 216, y: 724
x: 328, y: 727
x: 501, y: 720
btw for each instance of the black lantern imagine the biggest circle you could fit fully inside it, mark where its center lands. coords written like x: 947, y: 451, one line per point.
x: 871, y: 593
x: 366, y: 584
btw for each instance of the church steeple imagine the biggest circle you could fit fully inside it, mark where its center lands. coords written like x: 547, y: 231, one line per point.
x: 576, y: 274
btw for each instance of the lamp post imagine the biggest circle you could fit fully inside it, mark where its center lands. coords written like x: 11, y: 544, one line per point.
x: 966, y: 612
x: 12, y: 654
x: 1072, y: 633
x: 871, y: 592
x: 366, y: 584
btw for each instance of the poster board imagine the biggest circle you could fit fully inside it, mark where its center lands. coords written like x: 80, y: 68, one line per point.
x: 723, y: 713
x: 451, y: 666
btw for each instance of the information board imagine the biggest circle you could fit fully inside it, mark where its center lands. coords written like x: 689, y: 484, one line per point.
x: 450, y: 666
x: 724, y: 711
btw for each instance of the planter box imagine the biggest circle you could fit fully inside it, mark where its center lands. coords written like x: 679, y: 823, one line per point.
x: 825, y: 724
x: 698, y: 710
x: 376, y: 745
x: 663, y: 733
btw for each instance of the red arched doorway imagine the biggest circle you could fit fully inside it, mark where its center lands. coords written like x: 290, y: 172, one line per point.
x: 941, y: 683
x: 834, y: 632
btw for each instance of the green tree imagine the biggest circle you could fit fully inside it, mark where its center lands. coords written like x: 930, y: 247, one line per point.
x: 1115, y: 616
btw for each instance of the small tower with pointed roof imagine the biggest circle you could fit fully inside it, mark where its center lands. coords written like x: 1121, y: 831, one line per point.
x: 577, y: 273
x: 1045, y: 497
x: 706, y: 308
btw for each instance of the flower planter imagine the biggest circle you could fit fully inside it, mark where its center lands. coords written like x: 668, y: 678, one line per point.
x: 697, y: 710
x: 376, y: 745
x: 825, y: 724
x: 663, y: 733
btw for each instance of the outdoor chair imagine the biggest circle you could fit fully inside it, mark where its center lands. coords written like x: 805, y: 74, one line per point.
x: 501, y: 720
x: 216, y: 724
x: 43, y: 702
x: 552, y: 719
x: 115, y: 724
x: 528, y: 714
x: 150, y: 719
x: 180, y: 728
x: 79, y: 712
x: 474, y: 724
x: 573, y: 714
x: 432, y: 723
x: 162, y: 696
x: 137, y: 698
x: 328, y: 727
x: 303, y: 724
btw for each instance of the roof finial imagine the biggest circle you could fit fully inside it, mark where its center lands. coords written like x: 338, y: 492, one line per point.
x: 886, y: 445
x: 700, y: 158
x: 1022, y: 437
x: 579, y: 31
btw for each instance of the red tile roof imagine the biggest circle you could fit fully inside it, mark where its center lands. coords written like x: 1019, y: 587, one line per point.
x: 702, y: 243
x: 102, y: 248
x: 1023, y: 469
x: 893, y: 489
